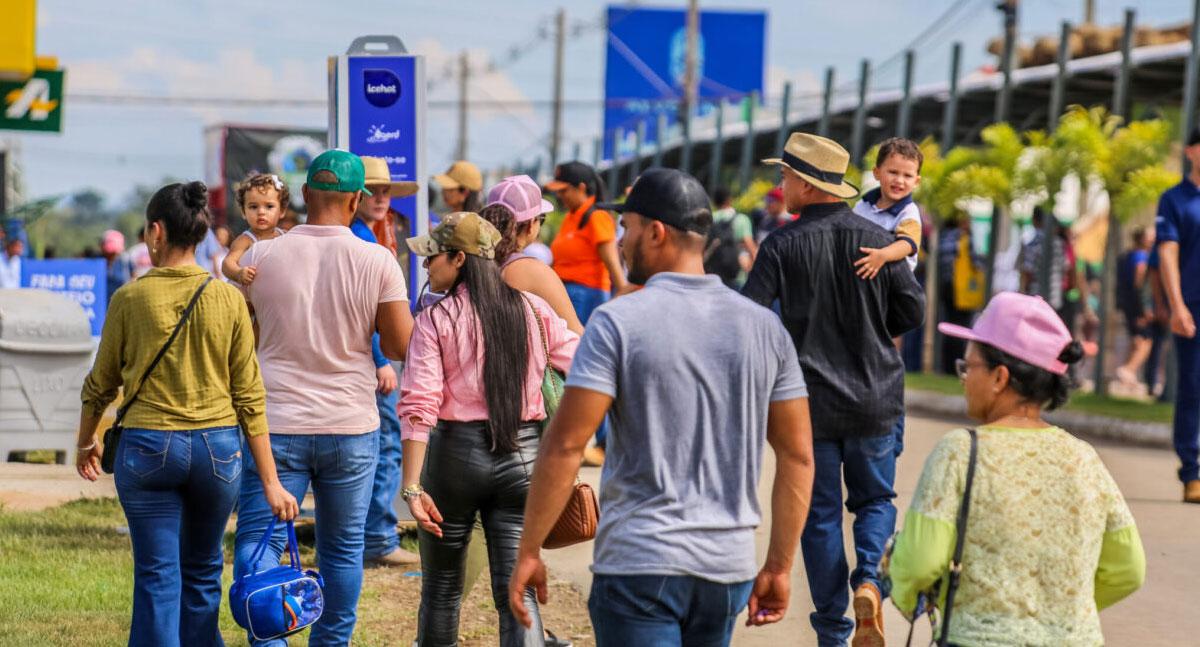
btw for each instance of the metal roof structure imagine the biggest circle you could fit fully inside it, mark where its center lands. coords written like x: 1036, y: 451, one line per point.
x: 1156, y: 80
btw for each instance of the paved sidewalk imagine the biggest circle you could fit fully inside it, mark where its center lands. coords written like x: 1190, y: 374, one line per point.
x: 1161, y: 613
x: 25, y: 486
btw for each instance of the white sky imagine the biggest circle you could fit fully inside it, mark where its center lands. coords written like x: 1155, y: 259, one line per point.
x: 233, y: 48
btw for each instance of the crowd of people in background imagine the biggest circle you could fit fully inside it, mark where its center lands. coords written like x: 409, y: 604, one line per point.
x: 306, y: 367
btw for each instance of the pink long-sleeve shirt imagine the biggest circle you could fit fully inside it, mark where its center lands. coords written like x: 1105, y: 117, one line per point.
x: 443, y: 372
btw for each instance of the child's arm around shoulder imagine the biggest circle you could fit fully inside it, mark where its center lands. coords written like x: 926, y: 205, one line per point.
x: 908, y: 243
x: 230, y: 267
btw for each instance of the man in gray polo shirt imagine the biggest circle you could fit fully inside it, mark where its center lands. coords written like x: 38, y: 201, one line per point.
x: 674, y: 557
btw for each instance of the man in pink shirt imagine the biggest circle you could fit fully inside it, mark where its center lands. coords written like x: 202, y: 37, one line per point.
x: 319, y: 295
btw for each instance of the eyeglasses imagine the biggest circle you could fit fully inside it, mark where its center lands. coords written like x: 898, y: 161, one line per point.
x: 961, y: 366
x: 541, y: 220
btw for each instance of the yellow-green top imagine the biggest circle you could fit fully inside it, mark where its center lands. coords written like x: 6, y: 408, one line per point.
x: 208, y: 378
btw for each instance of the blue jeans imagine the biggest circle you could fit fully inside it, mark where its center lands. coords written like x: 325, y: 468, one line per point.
x: 340, y: 468
x: 1187, y: 404
x: 380, y: 536
x: 664, y: 610
x: 869, y: 466
x: 177, y: 489
x: 585, y: 300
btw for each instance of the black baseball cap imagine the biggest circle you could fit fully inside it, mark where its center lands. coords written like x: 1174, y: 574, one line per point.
x: 1194, y: 137
x: 572, y: 174
x: 669, y: 196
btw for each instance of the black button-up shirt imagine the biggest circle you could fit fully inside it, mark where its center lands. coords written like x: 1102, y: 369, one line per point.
x: 842, y: 325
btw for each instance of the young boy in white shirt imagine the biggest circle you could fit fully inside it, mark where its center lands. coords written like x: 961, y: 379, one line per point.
x: 898, y: 170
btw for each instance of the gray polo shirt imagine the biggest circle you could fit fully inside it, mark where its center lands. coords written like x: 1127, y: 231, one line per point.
x: 692, y: 367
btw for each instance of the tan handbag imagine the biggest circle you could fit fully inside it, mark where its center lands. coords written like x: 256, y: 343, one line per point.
x: 579, y: 518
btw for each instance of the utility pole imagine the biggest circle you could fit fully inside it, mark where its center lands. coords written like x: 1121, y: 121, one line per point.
x: 560, y: 20
x: 1004, y: 99
x: 464, y: 71
x: 1089, y: 11
x: 691, y: 80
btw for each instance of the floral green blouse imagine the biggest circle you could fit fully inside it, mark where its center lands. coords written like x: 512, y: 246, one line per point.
x: 1050, y: 540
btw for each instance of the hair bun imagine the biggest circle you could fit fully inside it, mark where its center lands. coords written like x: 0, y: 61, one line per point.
x: 195, y: 195
x: 1071, y: 353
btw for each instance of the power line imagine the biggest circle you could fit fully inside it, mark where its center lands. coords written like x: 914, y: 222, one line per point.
x: 243, y: 102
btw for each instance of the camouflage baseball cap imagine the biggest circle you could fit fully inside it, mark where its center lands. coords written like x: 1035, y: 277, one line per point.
x: 464, y: 232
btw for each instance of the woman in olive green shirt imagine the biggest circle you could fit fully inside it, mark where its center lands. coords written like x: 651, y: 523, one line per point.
x: 179, y: 462
x: 1049, y: 540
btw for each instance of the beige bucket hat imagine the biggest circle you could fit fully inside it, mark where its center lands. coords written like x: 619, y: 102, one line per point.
x: 461, y: 174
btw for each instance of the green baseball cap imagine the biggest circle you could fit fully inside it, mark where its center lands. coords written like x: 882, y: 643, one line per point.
x: 464, y: 232
x: 345, y: 166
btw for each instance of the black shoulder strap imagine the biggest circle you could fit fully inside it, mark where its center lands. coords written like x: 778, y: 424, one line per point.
x: 587, y: 215
x: 162, y: 351
x: 961, y: 528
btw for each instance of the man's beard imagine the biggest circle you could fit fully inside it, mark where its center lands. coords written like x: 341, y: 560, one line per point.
x: 636, y: 273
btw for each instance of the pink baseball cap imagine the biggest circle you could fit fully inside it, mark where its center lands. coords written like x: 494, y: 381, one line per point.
x: 1023, y: 326
x: 522, y: 196
x: 112, y: 242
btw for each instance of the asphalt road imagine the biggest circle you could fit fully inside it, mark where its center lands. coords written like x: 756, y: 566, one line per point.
x: 1163, y: 612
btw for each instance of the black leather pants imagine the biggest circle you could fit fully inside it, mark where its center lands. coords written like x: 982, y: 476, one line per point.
x: 464, y: 479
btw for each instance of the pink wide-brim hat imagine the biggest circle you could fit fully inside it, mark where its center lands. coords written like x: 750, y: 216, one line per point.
x: 1023, y: 326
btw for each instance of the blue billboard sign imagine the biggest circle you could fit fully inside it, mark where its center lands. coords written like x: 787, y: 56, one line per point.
x: 645, y: 63
x: 84, y: 281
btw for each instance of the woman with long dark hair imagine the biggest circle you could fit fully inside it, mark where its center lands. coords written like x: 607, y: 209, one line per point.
x: 470, y: 403
x: 178, y: 466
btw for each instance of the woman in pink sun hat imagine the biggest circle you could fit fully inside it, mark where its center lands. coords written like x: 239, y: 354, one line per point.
x: 1048, y: 539
x: 517, y: 209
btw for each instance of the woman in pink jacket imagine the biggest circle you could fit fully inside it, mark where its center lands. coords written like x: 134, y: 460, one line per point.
x: 470, y: 404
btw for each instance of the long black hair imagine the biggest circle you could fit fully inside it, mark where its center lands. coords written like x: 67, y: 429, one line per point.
x: 1033, y: 384
x: 501, y: 313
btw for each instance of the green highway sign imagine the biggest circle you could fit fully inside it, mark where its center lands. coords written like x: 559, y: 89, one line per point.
x: 34, y: 103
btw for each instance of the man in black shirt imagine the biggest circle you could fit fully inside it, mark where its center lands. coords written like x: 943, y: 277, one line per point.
x: 842, y: 327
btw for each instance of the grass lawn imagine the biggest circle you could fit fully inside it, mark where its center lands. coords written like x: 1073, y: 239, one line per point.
x: 1089, y: 403
x: 66, y: 578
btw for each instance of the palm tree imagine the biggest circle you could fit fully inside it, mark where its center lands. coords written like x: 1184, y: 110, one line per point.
x: 1093, y: 145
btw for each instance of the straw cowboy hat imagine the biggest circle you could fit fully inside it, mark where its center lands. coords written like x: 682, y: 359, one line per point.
x: 376, y: 172
x: 819, y: 161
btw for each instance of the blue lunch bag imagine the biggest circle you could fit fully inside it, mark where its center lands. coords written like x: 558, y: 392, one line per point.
x: 279, y: 601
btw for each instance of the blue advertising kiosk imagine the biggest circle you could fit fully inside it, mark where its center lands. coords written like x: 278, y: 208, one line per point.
x: 377, y: 109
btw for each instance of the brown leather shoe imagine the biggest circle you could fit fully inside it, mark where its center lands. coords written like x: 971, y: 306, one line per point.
x: 398, y: 557
x: 1191, y: 492
x: 868, y: 617
x: 593, y: 457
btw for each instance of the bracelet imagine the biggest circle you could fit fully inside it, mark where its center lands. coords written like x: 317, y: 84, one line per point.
x: 412, y: 491
x: 88, y: 448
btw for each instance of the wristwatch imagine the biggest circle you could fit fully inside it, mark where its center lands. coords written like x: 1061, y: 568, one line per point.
x: 412, y: 491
